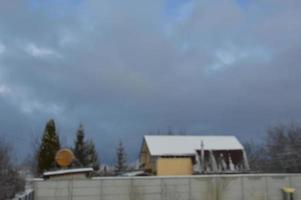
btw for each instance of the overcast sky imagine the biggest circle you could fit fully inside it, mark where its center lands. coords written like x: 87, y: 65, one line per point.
x: 127, y: 68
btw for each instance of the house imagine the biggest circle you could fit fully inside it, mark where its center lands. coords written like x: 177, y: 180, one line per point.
x: 187, y: 154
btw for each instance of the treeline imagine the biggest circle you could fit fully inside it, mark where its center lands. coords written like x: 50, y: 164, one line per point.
x: 84, y: 151
x: 12, y: 176
x: 278, y: 152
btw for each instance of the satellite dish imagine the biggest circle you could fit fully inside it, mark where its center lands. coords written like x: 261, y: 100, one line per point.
x: 64, y: 157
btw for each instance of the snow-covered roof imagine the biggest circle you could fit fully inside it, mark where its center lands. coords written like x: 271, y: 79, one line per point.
x: 160, y: 145
x: 67, y: 171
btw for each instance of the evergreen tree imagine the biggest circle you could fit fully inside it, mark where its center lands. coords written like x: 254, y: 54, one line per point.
x: 79, y: 147
x: 92, y: 157
x: 121, y: 163
x: 85, y: 152
x: 50, y: 144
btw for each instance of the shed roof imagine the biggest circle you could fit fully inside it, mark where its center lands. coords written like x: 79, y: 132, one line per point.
x: 68, y: 171
x: 160, y: 145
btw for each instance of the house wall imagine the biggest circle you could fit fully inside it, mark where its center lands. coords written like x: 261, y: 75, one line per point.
x: 205, y: 187
x: 174, y: 166
x: 146, y: 159
x: 164, y: 166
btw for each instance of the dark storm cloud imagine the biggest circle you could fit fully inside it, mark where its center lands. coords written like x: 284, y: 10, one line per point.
x: 124, y: 69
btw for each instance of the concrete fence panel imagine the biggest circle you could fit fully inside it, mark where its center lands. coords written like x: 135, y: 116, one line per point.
x: 254, y: 188
x: 295, y: 182
x: 214, y: 187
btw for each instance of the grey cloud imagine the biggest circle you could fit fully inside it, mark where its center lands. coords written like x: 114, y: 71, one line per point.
x: 122, y: 74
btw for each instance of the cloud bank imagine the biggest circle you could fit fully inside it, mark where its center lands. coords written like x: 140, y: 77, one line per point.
x: 125, y: 69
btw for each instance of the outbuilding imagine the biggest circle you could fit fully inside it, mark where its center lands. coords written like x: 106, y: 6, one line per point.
x: 165, y: 155
x: 79, y: 173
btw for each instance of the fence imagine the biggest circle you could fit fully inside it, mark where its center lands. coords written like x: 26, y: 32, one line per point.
x: 215, y: 187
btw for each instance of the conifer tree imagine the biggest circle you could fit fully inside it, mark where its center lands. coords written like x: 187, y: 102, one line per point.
x: 85, y: 152
x: 92, y: 157
x: 121, y: 162
x: 50, y: 144
x: 79, y: 147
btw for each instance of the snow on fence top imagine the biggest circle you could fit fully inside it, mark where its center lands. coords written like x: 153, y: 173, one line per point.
x: 68, y: 171
x: 174, y: 145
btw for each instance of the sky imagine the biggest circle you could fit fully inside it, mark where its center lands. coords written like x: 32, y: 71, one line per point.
x: 129, y: 68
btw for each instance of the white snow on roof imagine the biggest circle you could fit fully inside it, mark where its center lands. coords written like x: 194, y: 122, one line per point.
x: 187, y: 145
x: 68, y: 171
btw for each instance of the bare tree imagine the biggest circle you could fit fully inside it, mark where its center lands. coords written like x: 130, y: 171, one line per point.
x: 10, y: 180
x: 284, y: 148
x: 30, y: 162
x: 257, y: 156
x: 280, y: 152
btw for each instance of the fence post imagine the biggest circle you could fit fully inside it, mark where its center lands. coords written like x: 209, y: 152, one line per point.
x: 101, y: 189
x: 189, y: 189
x: 242, y: 186
x: 267, y: 188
